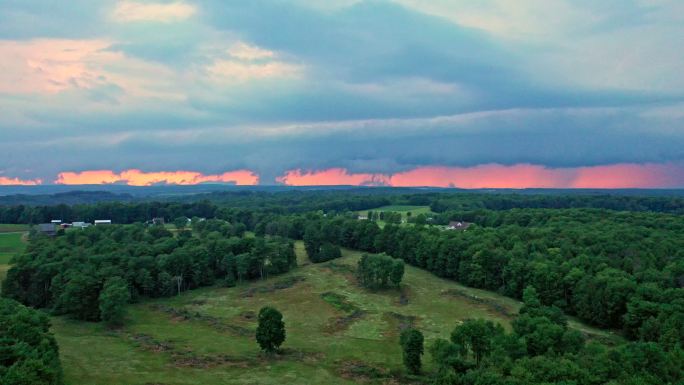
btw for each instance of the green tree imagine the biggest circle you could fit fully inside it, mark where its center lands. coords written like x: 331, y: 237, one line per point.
x: 411, y: 341
x: 270, y: 333
x: 180, y: 222
x: 113, y: 299
x: 397, y: 272
x: 475, y: 337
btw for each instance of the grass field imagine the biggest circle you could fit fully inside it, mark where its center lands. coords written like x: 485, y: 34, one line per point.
x: 337, y: 332
x: 11, y: 243
x: 10, y: 228
x: 403, y: 209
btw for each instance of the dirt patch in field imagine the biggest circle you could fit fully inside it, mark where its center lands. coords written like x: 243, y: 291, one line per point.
x: 339, y: 302
x: 361, y: 372
x: 279, y: 285
x: 338, y: 324
x: 248, y: 315
x: 181, y: 315
x: 150, y: 344
x: 486, y: 302
x: 293, y: 355
x: 404, y: 294
x: 187, y: 359
x: 398, y: 322
x: 348, y: 271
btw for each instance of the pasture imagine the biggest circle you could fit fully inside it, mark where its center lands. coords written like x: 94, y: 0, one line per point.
x: 11, y: 243
x: 337, y: 332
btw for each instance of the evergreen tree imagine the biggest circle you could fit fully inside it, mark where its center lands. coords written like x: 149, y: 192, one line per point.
x: 411, y: 341
x: 270, y: 333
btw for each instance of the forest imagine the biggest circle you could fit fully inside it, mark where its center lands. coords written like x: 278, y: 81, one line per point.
x: 615, y: 262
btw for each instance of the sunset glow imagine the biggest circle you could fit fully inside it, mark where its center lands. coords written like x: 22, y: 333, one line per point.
x: 141, y: 178
x: 5, y: 181
x: 509, y: 94
x: 500, y: 176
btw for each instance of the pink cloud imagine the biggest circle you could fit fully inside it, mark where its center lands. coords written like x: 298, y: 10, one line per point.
x: 647, y: 175
x: 6, y: 181
x: 135, y: 177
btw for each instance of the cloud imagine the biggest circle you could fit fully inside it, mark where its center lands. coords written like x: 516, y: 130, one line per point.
x: 331, y: 177
x: 133, y: 11
x: 500, y: 176
x: 371, y: 87
x: 8, y: 181
x: 140, y: 178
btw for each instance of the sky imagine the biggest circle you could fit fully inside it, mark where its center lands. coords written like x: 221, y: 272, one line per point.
x: 448, y: 93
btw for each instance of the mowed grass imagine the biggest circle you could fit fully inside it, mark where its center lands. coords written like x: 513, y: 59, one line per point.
x: 336, y: 330
x: 11, y: 243
x: 403, y: 209
x: 206, y: 336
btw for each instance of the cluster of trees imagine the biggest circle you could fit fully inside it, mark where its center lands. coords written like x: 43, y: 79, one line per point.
x: 317, y: 247
x: 126, y: 209
x: 541, y: 349
x: 613, y: 269
x: 378, y: 271
x: 118, y: 212
x: 28, y: 351
x: 387, y: 216
x: 91, y: 274
x: 563, y: 200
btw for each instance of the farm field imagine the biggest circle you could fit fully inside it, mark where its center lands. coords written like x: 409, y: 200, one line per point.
x: 12, y: 228
x: 404, y: 210
x: 337, y: 332
x: 11, y: 243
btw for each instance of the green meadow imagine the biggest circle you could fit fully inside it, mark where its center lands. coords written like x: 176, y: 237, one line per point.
x: 404, y: 210
x: 337, y: 332
x: 11, y: 243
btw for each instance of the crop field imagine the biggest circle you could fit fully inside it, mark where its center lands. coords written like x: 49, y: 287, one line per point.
x: 337, y: 332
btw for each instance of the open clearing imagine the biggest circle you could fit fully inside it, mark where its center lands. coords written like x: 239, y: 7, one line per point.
x: 11, y: 228
x: 337, y: 332
x: 11, y: 243
x: 404, y: 210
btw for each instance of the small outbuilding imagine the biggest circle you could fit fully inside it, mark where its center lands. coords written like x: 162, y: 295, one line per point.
x: 458, y: 225
x: 99, y: 222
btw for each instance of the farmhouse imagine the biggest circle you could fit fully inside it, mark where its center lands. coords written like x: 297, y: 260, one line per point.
x: 458, y: 225
x: 103, y: 222
x: 48, y: 229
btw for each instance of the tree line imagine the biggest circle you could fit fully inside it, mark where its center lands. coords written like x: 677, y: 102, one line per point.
x: 91, y: 274
x: 541, y: 349
x: 612, y: 269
